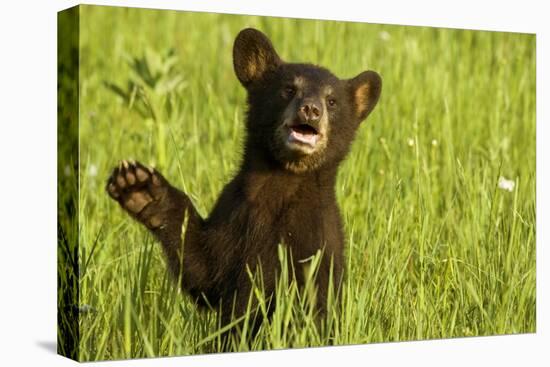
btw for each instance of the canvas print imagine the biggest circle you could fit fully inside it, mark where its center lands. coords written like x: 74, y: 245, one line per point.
x: 240, y: 183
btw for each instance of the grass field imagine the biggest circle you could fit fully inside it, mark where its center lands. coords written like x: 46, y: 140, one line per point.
x: 435, y: 247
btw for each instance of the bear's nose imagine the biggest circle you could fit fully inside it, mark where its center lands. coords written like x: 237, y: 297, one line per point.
x: 309, y: 111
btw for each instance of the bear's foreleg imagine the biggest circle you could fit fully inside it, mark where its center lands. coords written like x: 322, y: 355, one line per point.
x: 150, y: 199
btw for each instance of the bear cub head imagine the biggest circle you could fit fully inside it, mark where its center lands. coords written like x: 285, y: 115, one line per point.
x: 301, y: 117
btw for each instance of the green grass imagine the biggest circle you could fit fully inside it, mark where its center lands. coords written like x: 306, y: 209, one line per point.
x: 434, y: 248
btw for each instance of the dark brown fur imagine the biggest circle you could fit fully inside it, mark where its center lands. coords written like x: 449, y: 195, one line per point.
x: 279, y: 195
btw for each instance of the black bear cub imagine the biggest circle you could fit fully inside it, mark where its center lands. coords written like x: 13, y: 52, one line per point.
x: 300, y: 124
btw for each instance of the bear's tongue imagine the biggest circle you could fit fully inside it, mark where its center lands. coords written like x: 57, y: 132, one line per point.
x: 303, y: 134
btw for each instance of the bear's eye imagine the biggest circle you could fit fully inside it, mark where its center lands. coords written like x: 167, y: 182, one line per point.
x: 331, y: 102
x: 289, y: 91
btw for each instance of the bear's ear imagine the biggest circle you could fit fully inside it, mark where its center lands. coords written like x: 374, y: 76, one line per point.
x: 253, y: 56
x: 365, y: 90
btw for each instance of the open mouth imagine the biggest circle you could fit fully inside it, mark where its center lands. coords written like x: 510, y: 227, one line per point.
x: 303, y: 134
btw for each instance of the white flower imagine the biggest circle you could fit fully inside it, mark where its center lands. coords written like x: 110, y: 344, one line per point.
x: 384, y: 36
x: 505, y: 184
x: 435, y: 142
x: 92, y: 170
x: 410, y: 142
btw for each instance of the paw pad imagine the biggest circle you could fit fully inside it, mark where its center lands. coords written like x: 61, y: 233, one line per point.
x: 135, y: 186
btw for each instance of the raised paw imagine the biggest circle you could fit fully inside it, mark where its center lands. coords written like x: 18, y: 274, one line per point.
x: 139, y: 190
